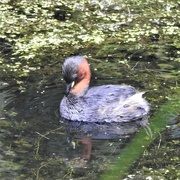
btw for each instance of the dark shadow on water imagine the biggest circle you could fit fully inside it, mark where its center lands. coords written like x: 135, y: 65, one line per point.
x: 102, y: 130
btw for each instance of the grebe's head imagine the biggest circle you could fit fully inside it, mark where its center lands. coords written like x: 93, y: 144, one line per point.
x: 76, y: 72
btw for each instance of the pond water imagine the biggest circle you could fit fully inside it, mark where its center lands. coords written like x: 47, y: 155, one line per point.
x: 37, y: 144
x: 134, y: 43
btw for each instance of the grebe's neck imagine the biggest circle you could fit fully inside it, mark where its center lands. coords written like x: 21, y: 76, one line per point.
x: 84, y: 76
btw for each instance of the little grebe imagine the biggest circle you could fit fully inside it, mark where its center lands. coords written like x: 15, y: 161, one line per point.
x: 107, y: 103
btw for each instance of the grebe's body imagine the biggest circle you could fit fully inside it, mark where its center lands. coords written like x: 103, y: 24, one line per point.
x: 107, y: 103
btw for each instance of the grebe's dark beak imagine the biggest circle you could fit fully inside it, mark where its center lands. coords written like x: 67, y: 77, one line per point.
x: 69, y: 87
